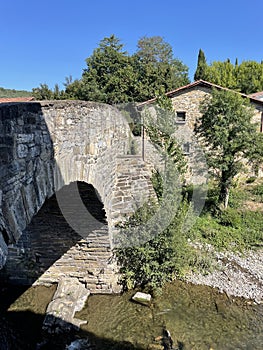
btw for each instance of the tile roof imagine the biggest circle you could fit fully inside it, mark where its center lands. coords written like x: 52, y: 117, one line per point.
x: 16, y: 99
x: 201, y: 83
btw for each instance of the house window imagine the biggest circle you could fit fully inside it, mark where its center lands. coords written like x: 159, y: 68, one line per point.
x: 180, y: 117
x: 186, y: 148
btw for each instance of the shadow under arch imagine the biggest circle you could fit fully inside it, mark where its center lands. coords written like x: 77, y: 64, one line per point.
x: 50, y: 248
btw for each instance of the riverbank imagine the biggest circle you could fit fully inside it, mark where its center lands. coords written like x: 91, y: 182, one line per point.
x: 236, y: 274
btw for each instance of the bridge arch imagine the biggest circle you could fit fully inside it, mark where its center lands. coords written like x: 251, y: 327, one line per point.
x: 47, y: 145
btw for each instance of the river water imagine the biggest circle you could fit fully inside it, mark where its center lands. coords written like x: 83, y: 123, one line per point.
x: 197, y: 317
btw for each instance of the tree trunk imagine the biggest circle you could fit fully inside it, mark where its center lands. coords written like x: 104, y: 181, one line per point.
x: 224, y: 194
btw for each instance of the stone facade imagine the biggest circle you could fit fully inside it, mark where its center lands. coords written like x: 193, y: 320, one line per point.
x: 186, y: 103
x: 47, y: 145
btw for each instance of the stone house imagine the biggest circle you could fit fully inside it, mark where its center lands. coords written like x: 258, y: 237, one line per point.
x: 186, y: 102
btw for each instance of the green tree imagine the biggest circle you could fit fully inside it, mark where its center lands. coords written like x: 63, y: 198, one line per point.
x: 156, y: 68
x: 109, y: 76
x: 73, y: 89
x: 43, y: 92
x: 148, y: 253
x: 223, y: 74
x: 249, y: 75
x: 160, y: 127
x: 201, y: 69
x: 154, y: 50
x: 229, y: 137
x: 245, y: 78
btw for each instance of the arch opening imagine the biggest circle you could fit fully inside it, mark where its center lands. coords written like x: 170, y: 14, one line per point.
x: 50, y: 249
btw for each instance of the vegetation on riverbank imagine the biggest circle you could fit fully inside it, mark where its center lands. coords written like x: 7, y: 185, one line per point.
x: 168, y: 255
x: 238, y: 227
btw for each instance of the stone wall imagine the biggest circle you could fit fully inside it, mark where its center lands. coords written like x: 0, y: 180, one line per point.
x: 47, y: 145
x: 189, y: 102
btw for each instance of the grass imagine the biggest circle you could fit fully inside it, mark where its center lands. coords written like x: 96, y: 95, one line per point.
x: 236, y: 228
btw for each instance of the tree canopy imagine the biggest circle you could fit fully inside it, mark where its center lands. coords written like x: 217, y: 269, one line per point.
x: 229, y: 137
x: 113, y: 76
x: 246, y: 77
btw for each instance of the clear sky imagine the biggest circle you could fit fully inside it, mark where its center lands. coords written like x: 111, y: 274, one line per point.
x: 45, y: 41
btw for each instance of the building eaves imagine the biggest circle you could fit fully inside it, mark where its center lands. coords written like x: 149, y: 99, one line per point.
x: 202, y: 83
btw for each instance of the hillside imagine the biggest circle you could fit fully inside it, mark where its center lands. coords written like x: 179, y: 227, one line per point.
x: 6, y: 93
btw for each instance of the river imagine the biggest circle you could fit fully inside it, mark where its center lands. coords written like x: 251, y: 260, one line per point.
x: 198, y: 318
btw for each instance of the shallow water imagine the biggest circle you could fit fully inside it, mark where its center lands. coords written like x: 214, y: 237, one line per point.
x: 197, y: 317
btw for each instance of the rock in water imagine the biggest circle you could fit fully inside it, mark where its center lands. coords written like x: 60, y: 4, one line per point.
x: 79, y: 344
x: 69, y: 297
x: 142, y: 298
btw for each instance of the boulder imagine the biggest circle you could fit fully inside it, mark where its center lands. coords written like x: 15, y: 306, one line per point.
x: 142, y: 298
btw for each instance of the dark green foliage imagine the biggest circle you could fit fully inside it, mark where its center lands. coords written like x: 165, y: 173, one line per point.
x: 157, y: 70
x: 113, y: 76
x: 160, y: 259
x: 200, y: 72
x: 109, y: 76
x: 43, y: 92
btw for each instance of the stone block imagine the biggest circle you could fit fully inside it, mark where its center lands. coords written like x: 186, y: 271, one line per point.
x: 22, y: 150
x: 142, y: 298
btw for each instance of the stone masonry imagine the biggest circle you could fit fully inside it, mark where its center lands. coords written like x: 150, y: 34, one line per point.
x: 47, y: 145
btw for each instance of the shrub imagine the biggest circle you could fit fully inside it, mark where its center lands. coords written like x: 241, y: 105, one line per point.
x: 160, y: 259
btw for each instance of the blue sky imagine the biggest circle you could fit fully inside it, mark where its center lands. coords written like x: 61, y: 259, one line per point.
x: 45, y: 41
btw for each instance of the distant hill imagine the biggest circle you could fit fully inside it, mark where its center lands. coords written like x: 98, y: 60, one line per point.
x: 14, y: 93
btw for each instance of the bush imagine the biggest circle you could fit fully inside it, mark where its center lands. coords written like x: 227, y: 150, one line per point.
x: 231, y: 217
x: 258, y: 192
x: 160, y: 259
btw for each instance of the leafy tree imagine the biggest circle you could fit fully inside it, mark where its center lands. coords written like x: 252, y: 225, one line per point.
x: 149, y: 254
x: 160, y: 127
x: 249, y: 75
x: 73, y: 89
x: 246, y: 77
x: 156, y: 68
x: 229, y: 137
x: 200, y: 72
x: 109, y: 75
x: 43, y: 92
x: 113, y: 76
x: 154, y: 50
x: 223, y: 74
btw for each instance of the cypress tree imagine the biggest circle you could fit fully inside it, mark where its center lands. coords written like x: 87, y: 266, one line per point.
x: 200, y: 72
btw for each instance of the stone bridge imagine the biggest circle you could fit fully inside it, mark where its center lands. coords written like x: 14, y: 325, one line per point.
x: 45, y: 146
